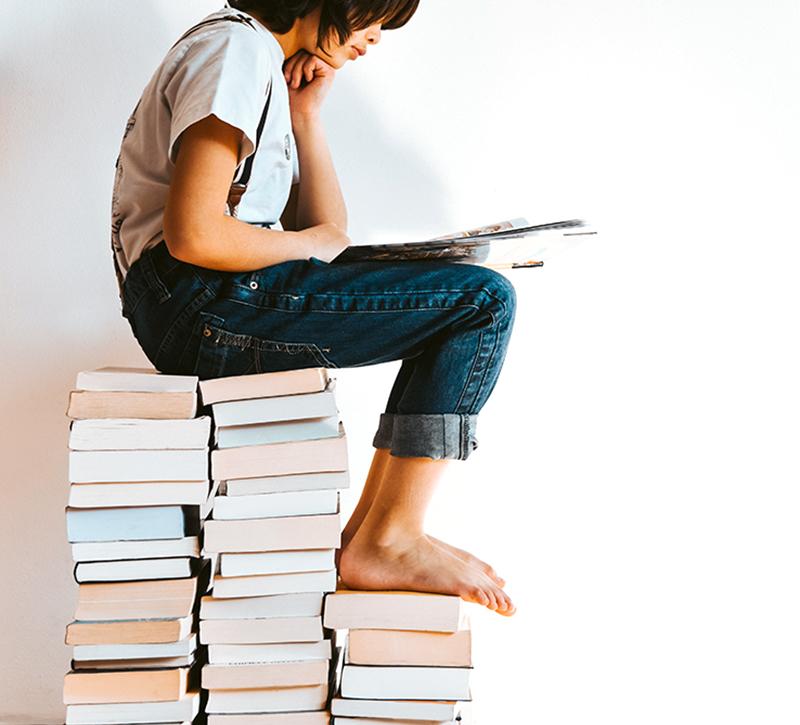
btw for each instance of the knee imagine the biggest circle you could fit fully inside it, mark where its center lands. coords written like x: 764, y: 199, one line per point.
x: 501, y: 293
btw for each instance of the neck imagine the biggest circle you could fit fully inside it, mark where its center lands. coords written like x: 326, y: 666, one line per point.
x: 303, y: 34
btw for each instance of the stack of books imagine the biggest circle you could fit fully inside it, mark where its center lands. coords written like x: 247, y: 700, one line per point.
x: 139, y: 492
x: 406, y: 656
x: 281, y: 458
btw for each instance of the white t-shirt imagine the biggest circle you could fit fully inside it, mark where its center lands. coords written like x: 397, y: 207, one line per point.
x: 224, y: 69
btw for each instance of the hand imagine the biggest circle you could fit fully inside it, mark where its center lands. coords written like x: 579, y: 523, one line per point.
x: 325, y: 241
x: 309, y: 79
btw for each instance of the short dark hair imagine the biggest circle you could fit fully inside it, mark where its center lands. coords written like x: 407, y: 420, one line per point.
x: 339, y: 17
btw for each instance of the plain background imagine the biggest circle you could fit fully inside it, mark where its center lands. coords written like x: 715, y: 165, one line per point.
x: 637, y: 481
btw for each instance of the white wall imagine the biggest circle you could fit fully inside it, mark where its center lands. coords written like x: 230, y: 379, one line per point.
x: 637, y: 478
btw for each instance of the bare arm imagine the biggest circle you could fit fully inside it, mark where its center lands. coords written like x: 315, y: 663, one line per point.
x: 318, y: 196
x: 197, y: 229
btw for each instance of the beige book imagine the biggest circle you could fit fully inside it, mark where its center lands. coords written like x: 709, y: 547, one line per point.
x: 263, y: 385
x: 148, y: 631
x: 261, y: 631
x: 278, y: 699
x: 88, y: 688
x: 349, y: 609
x: 126, y: 404
x: 280, y: 459
x: 387, y: 647
x: 159, y: 599
x: 245, y: 677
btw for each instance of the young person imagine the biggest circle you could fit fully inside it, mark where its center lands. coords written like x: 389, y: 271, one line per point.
x: 217, y: 282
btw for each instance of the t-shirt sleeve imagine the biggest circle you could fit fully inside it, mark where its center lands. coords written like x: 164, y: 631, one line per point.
x: 224, y: 72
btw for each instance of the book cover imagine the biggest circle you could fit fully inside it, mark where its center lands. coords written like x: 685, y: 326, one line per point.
x: 126, y: 686
x: 308, y: 604
x: 276, y: 562
x: 263, y: 385
x: 392, y: 647
x: 349, y: 609
x: 270, y: 584
x: 153, y: 631
x: 143, y: 380
x: 177, y: 711
x: 405, y: 683
x: 278, y: 409
x: 136, y: 570
x: 120, y: 434
x: 276, y: 534
x: 123, y: 550
x: 131, y: 524
x: 232, y: 654
x: 280, y: 459
x: 138, y: 466
x: 279, y: 699
x: 261, y: 631
x: 245, y: 677
x: 258, y: 434
x: 270, y: 505
x: 317, y: 717
x: 295, y: 482
x: 124, y: 404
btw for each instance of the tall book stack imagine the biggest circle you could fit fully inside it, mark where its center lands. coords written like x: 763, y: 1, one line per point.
x: 280, y: 458
x: 406, y: 657
x: 139, y: 492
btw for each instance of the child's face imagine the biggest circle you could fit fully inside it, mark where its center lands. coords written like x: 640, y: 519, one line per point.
x: 337, y: 54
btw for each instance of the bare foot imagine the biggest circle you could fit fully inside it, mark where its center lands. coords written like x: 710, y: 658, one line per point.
x: 465, y: 556
x: 470, y: 559
x: 418, y: 565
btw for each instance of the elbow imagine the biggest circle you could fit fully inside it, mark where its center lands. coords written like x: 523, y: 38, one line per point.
x: 185, y: 239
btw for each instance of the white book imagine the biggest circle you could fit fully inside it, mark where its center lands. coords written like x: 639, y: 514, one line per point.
x: 130, y: 524
x: 183, y: 648
x: 308, y: 604
x: 318, y: 717
x: 276, y: 562
x: 247, y: 677
x: 242, y: 654
x: 282, y: 408
x: 289, y: 533
x: 279, y: 484
x: 136, y: 713
x: 149, y: 493
x: 277, y: 432
x: 399, y: 710
x: 136, y: 570
x: 261, y: 631
x: 122, y: 550
x: 157, y: 663
x: 119, y: 434
x: 134, y: 466
x: 143, y: 380
x: 278, y: 699
x: 270, y: 584
x: 269, y: 505
x: 405, y: 683
x: 394, y: 721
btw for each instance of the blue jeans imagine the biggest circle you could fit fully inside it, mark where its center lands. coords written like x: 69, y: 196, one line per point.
x: 449, y: 323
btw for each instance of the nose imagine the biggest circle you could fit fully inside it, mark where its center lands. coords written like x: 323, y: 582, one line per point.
x: 373, y: 34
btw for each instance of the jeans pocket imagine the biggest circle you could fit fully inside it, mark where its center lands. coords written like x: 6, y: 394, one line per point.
x: 223, y: 353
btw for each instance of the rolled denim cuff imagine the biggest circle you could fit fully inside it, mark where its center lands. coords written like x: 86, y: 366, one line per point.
x: 447, y: 435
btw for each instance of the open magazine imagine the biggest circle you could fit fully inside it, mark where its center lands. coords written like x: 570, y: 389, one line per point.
x: 508, y: 245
